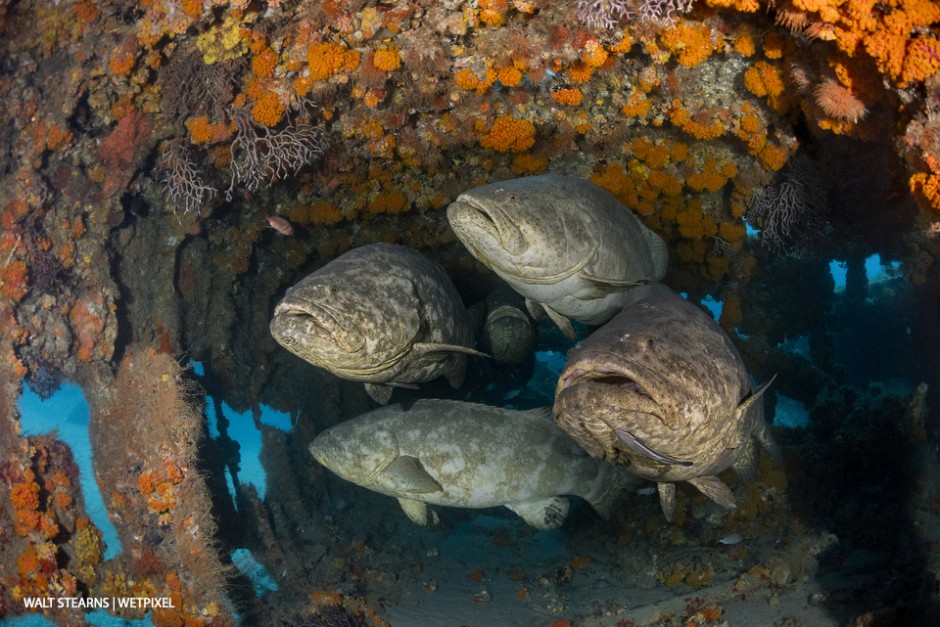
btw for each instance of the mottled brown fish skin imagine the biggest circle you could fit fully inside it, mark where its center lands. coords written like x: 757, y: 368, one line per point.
x: 565, y: 244
x: 366, y: 315
x: 665, y: 372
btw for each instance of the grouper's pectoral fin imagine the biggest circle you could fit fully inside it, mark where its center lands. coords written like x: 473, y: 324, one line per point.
x: 745, y: 405
x: 667, y: 499
x: 534, y: 308
x: 419, y: 512
x: 712, y: 487
x: 599, y: 287
x: 379, y: 393
x: 422, y: 348
x: 406, y: 474
x: 746, y: 464
x: 640, y: 447
x: 563, y: 324
x: 547, y: 513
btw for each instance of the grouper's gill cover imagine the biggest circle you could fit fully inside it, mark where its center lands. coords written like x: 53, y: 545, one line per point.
x: 459, y: 454
x: 661, y: 390
x: 381, y: 314
x: 564, y: 243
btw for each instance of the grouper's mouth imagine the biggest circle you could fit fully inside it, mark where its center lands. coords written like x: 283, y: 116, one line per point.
x: 604, y: 375
x: 619, y: 391
x: 302, y: 323
x: 617, y: 385
x: 475, y: 221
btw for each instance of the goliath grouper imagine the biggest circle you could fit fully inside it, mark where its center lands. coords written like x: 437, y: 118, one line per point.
x: 564, y: 243
x: 382, y: 314
x: 462, y: 454
x: 661, y: 389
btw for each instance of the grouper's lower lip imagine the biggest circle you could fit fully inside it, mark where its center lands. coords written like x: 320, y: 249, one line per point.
x: 477, y: 221
x: 321, y: 321
x: 621, y: 400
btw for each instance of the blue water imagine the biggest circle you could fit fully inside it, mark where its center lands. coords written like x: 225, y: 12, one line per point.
x: 98, y: 618
x: 875, y: 270
x: 67, y: 411
x: 713, y: 306
x: 790, y: 413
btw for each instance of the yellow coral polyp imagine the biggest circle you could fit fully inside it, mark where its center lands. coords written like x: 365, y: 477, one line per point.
x: 763, y: 79
x: 264, y: 63
x: 222, y: 43
x: 703, y: 131
x: 693, y: 224
x: 580, y: 73
x: 657, y: 156
x: 637, y: 107
x: 679, y: 115
x: 921, y: 61
x: 614, y: 178
x: 387, y: 59
x: 773, y: 45
x: 744, y: 44
x: 773, y: 157
x: 326, y: 59
x: 121, y: 63
x: 492, y: 18
x: 393, y: 201
x: 732, y: 231
x: 594, y: 55
x: 527, y: 163
x: 710, y: 178
x: 690, y: 42
x: 750, y: 123
x: 623, y: 46
x: 325, y: 213
x: 466, y: 79
x: 509, y: 134
x: 201, y: 131
x: 571, y: 96
x: 493, y: 12
x: 926, y: 188
x: 268, y: 109
x: 509, y: 76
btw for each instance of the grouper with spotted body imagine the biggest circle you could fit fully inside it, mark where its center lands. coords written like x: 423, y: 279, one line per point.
x: 661, y: 390
x: 382, y: 314
x: 567, y: 245
x: 459, y: 454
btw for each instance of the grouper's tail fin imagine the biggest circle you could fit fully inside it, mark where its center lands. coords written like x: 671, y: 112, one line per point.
x: 611, y: 481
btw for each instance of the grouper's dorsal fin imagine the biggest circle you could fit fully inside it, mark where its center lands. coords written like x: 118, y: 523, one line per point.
x: 406, y: 474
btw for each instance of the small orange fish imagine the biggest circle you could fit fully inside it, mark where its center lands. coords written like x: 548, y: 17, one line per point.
x: 279, y: 224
